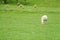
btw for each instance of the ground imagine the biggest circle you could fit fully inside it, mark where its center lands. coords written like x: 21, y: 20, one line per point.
x: 25, y: 24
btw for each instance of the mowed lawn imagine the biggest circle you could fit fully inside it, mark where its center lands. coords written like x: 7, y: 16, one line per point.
x: 25, y: 24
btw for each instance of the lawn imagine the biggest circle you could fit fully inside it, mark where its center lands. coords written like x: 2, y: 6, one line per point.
x: 24, y: 24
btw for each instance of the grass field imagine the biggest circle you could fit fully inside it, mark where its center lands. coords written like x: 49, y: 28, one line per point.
x: 24, y: 24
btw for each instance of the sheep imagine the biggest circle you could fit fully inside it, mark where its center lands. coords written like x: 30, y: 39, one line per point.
x: 18, y: 4
x: 21, y: 6
x: 35, y: 6
x: 44, y: 19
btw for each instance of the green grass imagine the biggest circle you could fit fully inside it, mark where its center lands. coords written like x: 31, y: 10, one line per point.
x: 42, y: 3
x: 24, y: 24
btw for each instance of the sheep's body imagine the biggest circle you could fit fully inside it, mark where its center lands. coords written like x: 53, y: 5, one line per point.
x: 44, y: 19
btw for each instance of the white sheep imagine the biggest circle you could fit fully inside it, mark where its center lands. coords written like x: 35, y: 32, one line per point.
x: 44, y: 19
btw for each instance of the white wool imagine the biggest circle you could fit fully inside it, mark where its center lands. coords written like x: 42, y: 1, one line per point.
x: 43, y: 19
